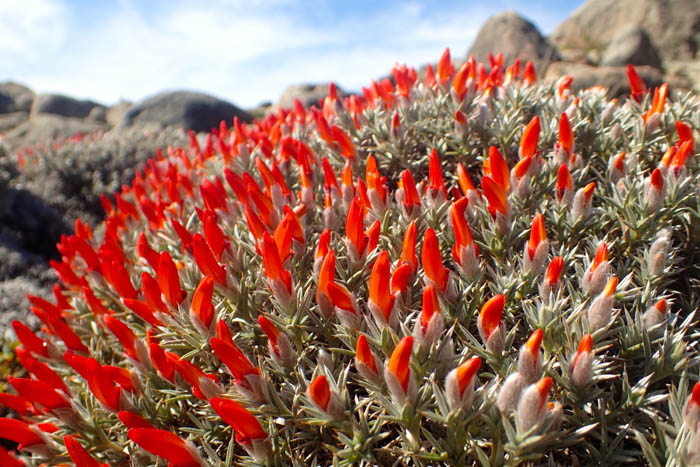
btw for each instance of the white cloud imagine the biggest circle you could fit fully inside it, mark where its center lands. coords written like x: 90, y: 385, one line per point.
x: 242, y: 50
x: 30, y: 28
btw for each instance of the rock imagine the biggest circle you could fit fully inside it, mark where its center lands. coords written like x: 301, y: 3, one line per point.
x: 190, y: 110
x: 612, y: 77
x: 116, y: 112
x: 673, y: 26
x: 631, y: 45
x: 21, y: 97
x: 98, y: 115
x: 45, y: 127
x: 62, y: 105
x: 308, y: 94
x: 684, y: 74
x: 513, y: 36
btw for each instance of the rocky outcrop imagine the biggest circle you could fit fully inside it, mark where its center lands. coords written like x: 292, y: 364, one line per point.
x: 15, y: 97
x: 63, y: 106
x: 513, y: 36
x: 44, y: 127
x: 631, y: 45
x: 673, y: 27
x: 183, y: 109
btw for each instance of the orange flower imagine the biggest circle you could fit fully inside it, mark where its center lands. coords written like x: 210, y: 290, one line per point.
x: 408, y: 252
x: 495, y: 195
x: 379, y: 290
x: 399, y: 361
x: 466, y: 372
x: 273, y: 265
x: 347, y: 149
x: 566, y: 135
x: 432, y: 261
x: 431, y: 306
x: 445, y: 68
x: 554, y: 270
x: 490, y: 316
x: 124, y: 334
x: 354, y: 227
x: 411, y: 197
x: 531, y: 135
x: 364, y: 354
x: 537, y: 235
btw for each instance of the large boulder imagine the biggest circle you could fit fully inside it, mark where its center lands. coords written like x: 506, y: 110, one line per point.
x: 612, y: 77
x: 673, y: 27
x: 64, y: 106
x: 45, y: 127
x: 308, y: 94
x: 513, y: 36
x: 631, y: 45
x: 184, y: 109
x: 15, y: 97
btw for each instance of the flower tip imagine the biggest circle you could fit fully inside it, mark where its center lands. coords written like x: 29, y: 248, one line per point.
x: 534, y: 342
x: 466, y: 372
x: 320, y: 392
x: 611, y: 287
x: 586, y: 344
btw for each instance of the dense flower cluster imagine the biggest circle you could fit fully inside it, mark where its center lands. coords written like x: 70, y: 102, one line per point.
x: 471, y: 267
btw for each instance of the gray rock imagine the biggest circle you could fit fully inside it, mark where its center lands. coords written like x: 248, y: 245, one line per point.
x: 21, y: 97
x: 513, y: 36
x: 673, y: 26
x: 184, y: 109
x: 631, y: 45
x: 98, y: 115
x: 44, y: 127
x: 612, y: 77
x: 308, y: 94
x: 116, y: 112
x: 62, y: 105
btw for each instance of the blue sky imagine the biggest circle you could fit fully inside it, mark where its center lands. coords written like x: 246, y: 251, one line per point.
x: 246, y: 51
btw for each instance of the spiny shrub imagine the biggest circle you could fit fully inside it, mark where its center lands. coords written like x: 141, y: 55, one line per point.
x: 470, y: 268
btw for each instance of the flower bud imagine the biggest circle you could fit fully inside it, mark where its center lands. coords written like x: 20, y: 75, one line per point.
x: 530, y: 358
x: 367, y: 364
x: 509, y: 395
x: 398, y: 375
x: 459, y: 384
x: 597, y: 273
x: 532, y: 407
x: 654, y: 191
x: 655, y: 315
x: 658, y: 252
x: 582, y: 363
x: 324, y: 398
x: 601, y: 308
x: 536, y: 249
x: 583, y: 202
x: 490, y: 326
x: 430, y: 324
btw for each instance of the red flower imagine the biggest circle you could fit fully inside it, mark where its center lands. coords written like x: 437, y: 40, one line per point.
x: 202, y: 307
x: 246, y: 426
x: 78, y: 453
x: 432, y: 261
x: 320, y: 392
x: 167, y: 445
